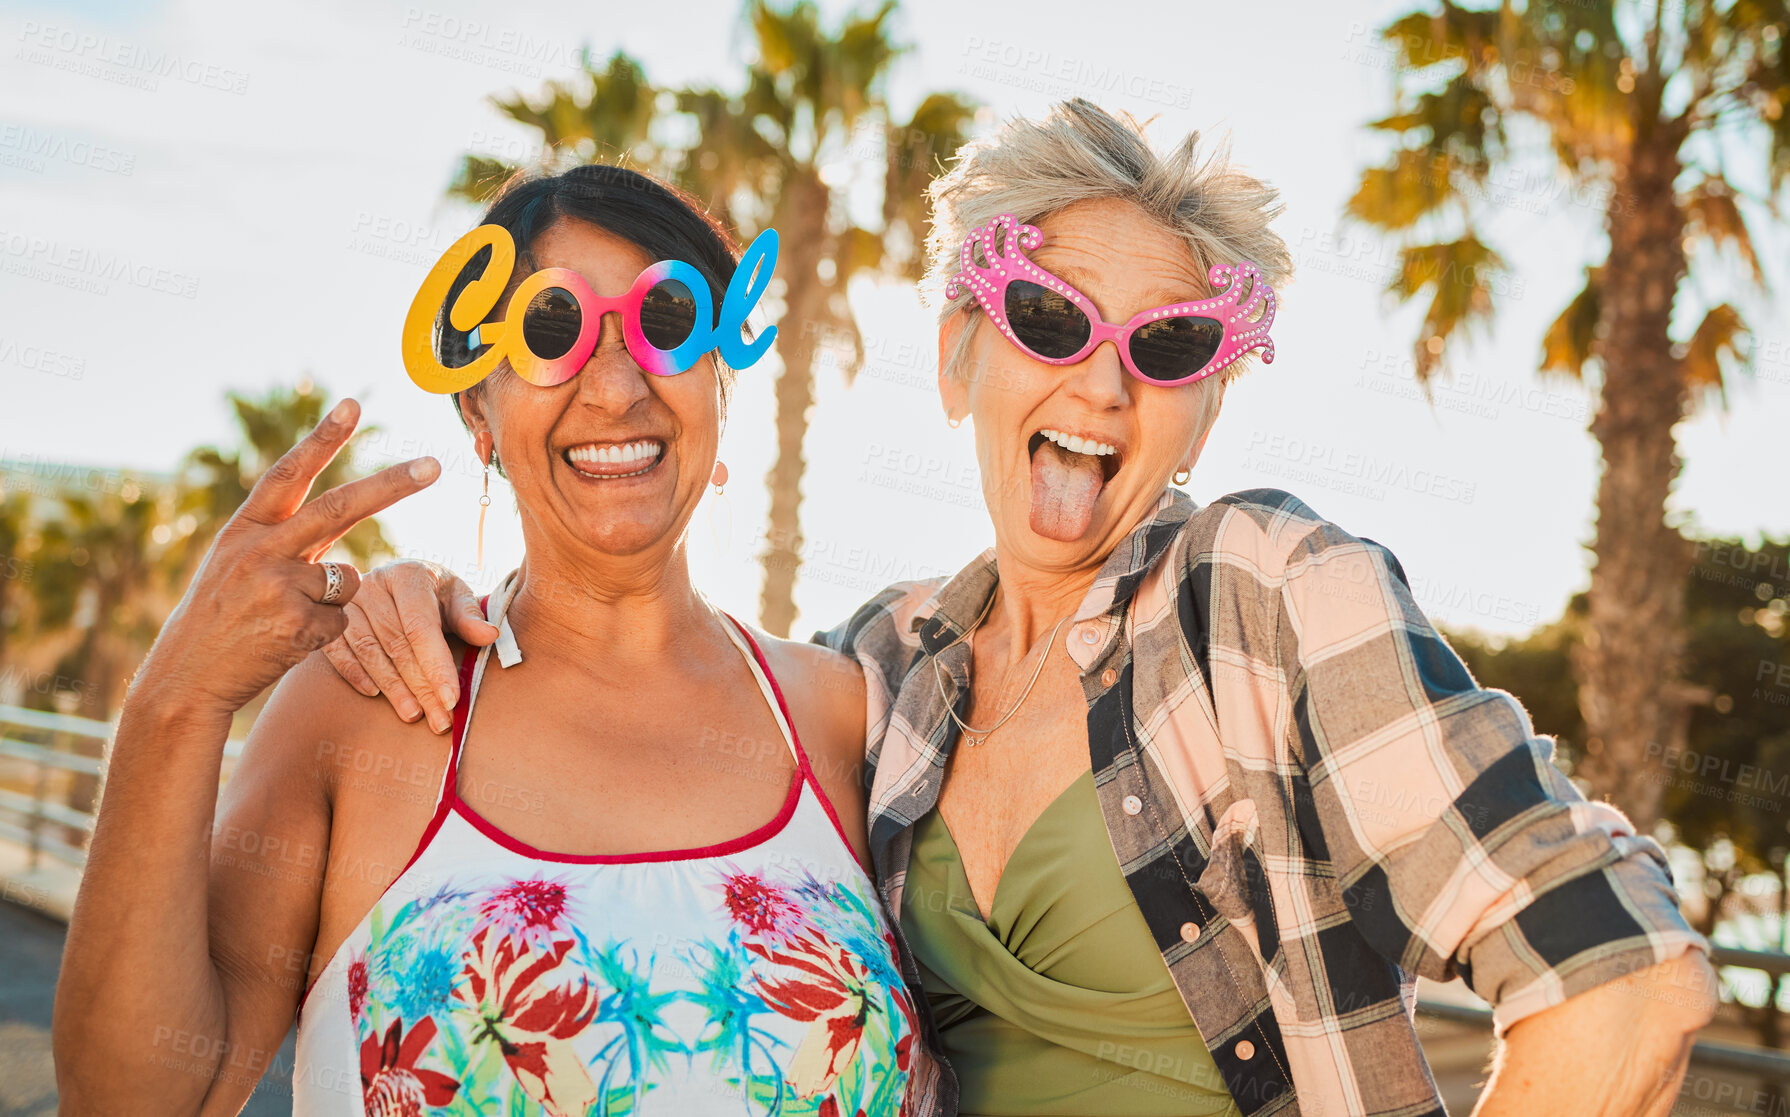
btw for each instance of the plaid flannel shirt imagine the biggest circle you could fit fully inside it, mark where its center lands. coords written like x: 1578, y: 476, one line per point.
x: 1310, y: 797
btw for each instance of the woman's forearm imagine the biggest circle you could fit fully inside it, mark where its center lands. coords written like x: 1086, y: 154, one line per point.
x: 167, y: 964
x: 1617, y: 1050
x: 140, y: 1022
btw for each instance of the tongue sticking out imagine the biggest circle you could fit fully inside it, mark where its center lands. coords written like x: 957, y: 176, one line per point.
x: 1065, y: 486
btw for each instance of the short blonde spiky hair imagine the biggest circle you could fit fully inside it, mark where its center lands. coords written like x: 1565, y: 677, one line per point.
x: 1080, y: 152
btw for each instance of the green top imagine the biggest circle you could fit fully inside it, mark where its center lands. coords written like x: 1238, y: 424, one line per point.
x: 1060, y: 1003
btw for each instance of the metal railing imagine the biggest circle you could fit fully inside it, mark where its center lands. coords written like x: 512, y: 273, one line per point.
x: 1707, y: 1054
x: 38, y: 813
x: 32, y: 816
x: 28, y: 819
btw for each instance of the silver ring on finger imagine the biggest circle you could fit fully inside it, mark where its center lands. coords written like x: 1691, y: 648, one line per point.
x: 332, y: 583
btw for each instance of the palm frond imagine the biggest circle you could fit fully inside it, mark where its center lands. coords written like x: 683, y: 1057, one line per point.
x: 1397, y: 196
x: 617, y: 112
x: 1710, y: 212
x: 913, y: 155
x: 1572, y: 339
x: 1722, y: 342
x: 479, y: 178
x: 1459, y: 275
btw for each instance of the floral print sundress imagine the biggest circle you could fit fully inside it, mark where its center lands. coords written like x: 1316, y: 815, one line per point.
x: 758, y: 976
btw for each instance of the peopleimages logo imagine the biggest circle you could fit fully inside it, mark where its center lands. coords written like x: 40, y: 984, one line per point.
x: 484, y: 44
x: 1042, y: 71
x: 32, y: 149
x: 1345, y: 470
x: 39, y: 359
x: 119, y: 60
x: 86, y: 269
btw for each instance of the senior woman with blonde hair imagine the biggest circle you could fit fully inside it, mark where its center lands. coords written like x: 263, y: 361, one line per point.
x: 1175, y: 802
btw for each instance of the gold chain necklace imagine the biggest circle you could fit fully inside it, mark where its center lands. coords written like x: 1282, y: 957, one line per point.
x: 977, y: 736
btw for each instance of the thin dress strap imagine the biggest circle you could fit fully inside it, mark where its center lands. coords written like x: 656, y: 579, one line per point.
x: 767, y: 682
x: 472, y: 672
x: 773, y: 695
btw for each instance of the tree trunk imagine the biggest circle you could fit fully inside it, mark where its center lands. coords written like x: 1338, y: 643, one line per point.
x: 1635, y: 709
x: 804, y: 235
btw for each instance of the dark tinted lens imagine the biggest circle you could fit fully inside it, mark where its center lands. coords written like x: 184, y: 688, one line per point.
x: 1046, y: 322
x: 1175, y: 348
x: 454, y: 348
x: 668, y: 314
x: 551, y: 323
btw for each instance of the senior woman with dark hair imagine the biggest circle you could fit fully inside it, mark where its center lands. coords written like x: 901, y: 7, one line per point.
x: 1175, y: 802
x: 570, y: 911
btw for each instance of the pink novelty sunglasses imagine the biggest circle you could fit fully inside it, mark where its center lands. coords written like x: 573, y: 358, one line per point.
x: 1053, y: 322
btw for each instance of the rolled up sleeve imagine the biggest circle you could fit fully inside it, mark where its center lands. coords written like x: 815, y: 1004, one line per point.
x: 1459, y: 847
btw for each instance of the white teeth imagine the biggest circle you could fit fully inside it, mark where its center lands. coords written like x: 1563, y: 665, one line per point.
x: 1076, y: 444
x: 644, y: 451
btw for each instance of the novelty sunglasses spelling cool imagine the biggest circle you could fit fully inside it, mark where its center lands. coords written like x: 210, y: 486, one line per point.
x: 1053, y: 322
x: 668, y: 316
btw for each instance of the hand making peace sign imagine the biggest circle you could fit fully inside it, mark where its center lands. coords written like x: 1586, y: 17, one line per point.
x: 261, y: 602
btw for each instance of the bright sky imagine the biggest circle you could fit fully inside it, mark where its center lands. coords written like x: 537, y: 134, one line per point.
x: 273, y: 174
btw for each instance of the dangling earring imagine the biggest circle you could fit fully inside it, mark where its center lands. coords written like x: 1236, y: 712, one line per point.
x: 953, y: 423
x: 719, y: 479
x: 486, y: 452
x: 1182, y: 475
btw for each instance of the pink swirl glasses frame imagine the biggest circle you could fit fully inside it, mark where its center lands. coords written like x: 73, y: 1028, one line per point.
x: 1004, y: 242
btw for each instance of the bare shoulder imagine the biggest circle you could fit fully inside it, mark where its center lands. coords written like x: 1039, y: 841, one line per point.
x: 823, y: 688
x: 825, y: 694
x: 316, y: 721
x: 308, y: 708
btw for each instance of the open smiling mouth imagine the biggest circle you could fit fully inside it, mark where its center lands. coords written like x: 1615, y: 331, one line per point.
x: 1069, y: 471
x: 610, y: 461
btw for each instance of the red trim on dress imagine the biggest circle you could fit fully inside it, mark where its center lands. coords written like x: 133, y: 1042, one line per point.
x: 806, y: 768
x: 756, y: 836
x: 733, y: 845
x: 442, y: 803
x: 450, y: 779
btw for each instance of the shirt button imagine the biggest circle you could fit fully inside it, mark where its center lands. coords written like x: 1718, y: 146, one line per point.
x: 1089, y: 636
x: 1190, y: 931
x: 1245, y: 1050
x: 1108, y: 677
x: 1133, y: 804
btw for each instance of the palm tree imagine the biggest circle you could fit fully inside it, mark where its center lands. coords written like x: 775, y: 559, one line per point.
x: 1645, y: 103
x: 216, y: 482
x: 105, y: 567
x: 778, y: 153
x: 107, y: 573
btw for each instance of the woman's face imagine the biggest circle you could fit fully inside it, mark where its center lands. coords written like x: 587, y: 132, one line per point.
x: 1055, y: 509
x: 615, y: 458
